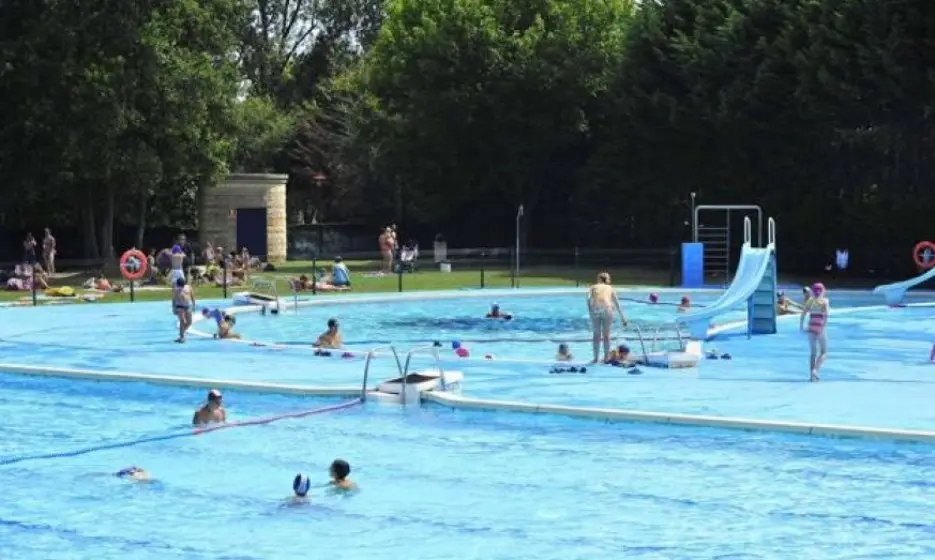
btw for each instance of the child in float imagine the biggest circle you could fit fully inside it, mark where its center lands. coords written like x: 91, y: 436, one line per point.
x: 684, y: 305
x: 816, y: 311
x: 495, y: 313
x: 563, y: 354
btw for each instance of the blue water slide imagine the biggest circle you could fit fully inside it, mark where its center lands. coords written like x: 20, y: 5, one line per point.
x: 752, y: 270
x: 895, y: 292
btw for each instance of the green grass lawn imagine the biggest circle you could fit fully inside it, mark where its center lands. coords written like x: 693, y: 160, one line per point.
x: 424, y: 279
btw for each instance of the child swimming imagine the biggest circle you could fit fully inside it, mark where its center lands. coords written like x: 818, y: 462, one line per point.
x: 563, y: 354
x: 134, y: 473
x: 619, y: 356
x: 339, y: 471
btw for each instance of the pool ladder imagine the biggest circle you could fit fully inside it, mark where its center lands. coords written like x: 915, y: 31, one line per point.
x: 655, y: 337
x: 403, y: 369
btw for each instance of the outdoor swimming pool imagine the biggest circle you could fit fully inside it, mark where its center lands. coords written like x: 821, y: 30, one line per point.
x: 440, y: 484
x: 456, y: 484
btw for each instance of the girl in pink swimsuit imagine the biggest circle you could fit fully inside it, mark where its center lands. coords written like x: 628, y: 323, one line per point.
x: 816, y: 311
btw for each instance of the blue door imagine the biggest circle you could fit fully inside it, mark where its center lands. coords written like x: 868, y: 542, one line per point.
x: 251, y: 230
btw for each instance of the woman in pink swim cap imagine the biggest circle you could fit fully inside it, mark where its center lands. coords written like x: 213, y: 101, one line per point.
x: 816, y: 310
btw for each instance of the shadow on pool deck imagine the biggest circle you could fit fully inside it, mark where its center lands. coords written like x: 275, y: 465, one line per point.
x: 878, y: 372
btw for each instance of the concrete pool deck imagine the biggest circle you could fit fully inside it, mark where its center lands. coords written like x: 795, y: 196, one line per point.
x: 878, y: 373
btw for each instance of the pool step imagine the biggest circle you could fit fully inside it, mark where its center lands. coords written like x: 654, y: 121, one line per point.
x: 761, y: 307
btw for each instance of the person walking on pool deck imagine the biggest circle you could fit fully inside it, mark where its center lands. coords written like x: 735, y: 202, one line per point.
x: 183, y: 299
x: 602, y: 304
x: 816, y: 310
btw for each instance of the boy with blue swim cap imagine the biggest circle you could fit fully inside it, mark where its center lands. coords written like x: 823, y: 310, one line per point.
x: 301, y: 485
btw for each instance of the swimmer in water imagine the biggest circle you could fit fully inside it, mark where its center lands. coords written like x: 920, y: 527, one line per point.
x: 183, y: 299
x: 331, y: 338
x: 785, y: 305
x: 225, y: 323
x: 684, y: 305
x: 495, y: 313
x: 816, y: 310
x: 300, y: 487
x: 133, y: 473
x: 340, y: 469
x: 212, y: 412
x: 619, y: 356
x: 602, y: 304
x: 563, y: 355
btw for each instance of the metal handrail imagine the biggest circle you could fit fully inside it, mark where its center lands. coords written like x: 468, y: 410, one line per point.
x: 771, y: 231
x: 433, y: 351
x: 748, y: 230
x: 391, y: 348
x: 639, y: 335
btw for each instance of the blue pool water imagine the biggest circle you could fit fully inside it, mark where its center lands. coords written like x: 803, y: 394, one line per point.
x: 440, y: 484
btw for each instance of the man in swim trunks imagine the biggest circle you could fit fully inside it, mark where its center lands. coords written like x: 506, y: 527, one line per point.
x: 212, y: 412
x: 816, y: 310
x: 602, y: 304
x: 177, y: 258
x: 183, y: 299
x: 331, y: 338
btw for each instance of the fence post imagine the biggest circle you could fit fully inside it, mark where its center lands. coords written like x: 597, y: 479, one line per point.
x: 399, y: 276
x: 512, y: 270
x: 577, y: 268
x: 35, y: 299
x: 132, y: 292
x: 483, y: 266
x: 314, y: 274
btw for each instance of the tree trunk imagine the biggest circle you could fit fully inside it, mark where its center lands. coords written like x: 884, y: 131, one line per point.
x: 107, y: 224
x: 141, y: 219
x: 89, y: 231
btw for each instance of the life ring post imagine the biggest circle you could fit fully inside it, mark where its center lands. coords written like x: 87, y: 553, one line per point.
x: 133, y: 266
x: 924, y: 254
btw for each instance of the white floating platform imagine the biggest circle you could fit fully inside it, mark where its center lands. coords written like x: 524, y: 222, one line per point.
x: 410, y: 389
x: 253, y: 298
x: 687, y: 358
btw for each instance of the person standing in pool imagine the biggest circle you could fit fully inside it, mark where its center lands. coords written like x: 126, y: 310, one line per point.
x: 602, y: 304
x: 183, y: 299
x: 340, y: 471
x: 212, y: 412
x: 330, y: 339
x: 816, y: 310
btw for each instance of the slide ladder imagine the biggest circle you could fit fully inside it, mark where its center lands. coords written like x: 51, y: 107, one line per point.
x: 716, y: 256
x: 761, y: 307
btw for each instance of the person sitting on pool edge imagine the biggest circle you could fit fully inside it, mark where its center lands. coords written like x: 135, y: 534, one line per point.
x: 340, y: 469
x: 495, y: 313
x: 563, y: 355
x: 212, y: 412
x: 330, y: 339
x: 134, y: 474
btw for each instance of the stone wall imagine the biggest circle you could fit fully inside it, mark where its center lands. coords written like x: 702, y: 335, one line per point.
x: 248, y: 190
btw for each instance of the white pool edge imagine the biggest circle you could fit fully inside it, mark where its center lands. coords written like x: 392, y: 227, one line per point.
x: 721, y: 422
x: 172, y: 381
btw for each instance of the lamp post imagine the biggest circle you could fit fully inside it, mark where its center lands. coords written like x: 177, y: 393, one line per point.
x: 694, y: 225
x: 519, y: 217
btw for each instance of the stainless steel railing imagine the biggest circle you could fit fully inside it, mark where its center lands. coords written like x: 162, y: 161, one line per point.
x: 370, y: 354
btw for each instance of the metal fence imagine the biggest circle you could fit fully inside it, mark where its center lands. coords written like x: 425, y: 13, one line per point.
x: 448, y: 269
